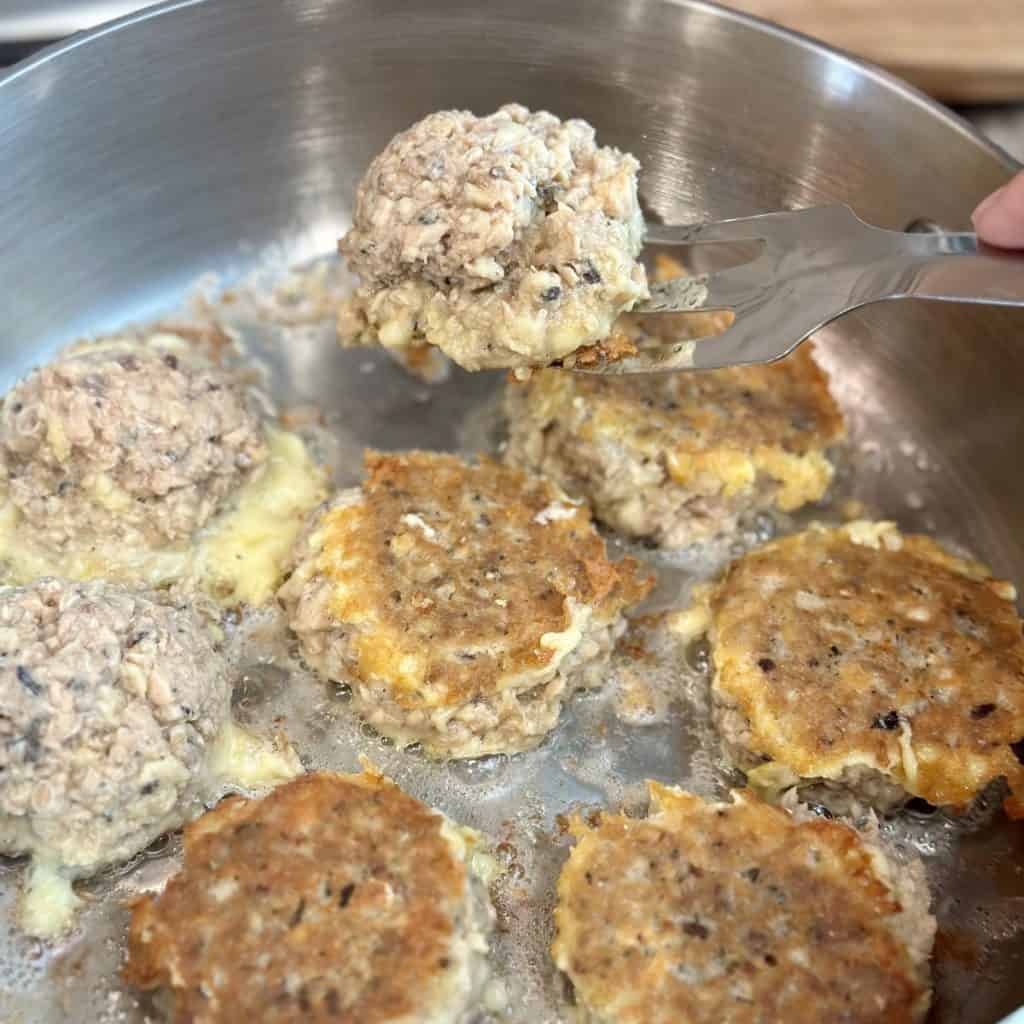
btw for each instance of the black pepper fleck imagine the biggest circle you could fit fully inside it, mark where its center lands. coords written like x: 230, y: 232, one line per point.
x: 32, y: 740
x: 297, y: 916
x: 552, y: 293
x: 28, y: 680
x: 766, y: 664
x: 546, y: 195
x: 591, y: 275
x: 696, y: 929
x: 889, y: 721
x: 149, y: 787
x: 1018, y: 750
x: 982, y: 710
x: 171, y: 361
x: 821, y: 811
x: 346, y: 894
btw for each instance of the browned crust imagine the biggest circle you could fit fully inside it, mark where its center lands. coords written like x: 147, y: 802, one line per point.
x: 710, y: 912
x: 907, y: 647
x: 617, y: 346
x: 786, y: 405
x: 418, y: 357
x: 339, y: 896
x: 450, y: 564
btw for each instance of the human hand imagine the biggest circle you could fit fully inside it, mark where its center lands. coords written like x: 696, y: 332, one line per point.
x: 999, y: 219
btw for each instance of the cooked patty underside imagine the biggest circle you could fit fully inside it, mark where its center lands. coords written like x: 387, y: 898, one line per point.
x: 629, y: 493
x: 511, y: 718
x: 857, y: 787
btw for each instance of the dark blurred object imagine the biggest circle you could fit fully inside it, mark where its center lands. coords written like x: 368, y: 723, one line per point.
x: 11, y: 53
x: 960, y: 51
x: 27, y: 25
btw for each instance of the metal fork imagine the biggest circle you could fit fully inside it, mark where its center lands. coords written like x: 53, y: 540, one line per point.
x: 814, y: 265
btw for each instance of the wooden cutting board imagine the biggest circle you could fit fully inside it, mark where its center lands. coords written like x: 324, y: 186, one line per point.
x: 961, y: 51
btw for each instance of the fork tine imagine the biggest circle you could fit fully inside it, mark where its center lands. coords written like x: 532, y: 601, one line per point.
x: 739, y: 229
x: 663, y: 359
x: 776, y: 302
x: 730, y: 348
x: 733, y: 348
x: 765, y: 227
x: 736, y: 288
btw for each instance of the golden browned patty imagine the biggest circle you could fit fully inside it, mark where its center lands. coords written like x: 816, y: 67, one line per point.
x: 462, y: 601
x: 679, y: 457
x: 337, y: 898
x: 739, y: 913
x: 861, y: 660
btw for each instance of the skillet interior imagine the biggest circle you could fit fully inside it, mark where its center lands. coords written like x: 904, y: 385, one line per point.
x: 217, y: 136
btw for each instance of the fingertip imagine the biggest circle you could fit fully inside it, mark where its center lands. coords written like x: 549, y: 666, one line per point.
x: 999, y: 218
x: 986, y: 204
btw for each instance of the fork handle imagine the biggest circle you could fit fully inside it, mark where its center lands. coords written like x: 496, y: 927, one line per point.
x: 955, y: 268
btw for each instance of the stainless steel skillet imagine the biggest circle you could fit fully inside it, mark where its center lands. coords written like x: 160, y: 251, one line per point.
x: 220, y: 137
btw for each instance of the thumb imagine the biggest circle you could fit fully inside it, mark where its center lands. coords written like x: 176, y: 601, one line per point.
x: 999, y: 219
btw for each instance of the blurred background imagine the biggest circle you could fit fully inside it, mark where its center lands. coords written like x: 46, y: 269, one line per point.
x: 966, y: 53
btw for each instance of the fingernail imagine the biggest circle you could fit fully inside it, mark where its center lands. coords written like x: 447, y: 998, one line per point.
x: 988, y: 203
